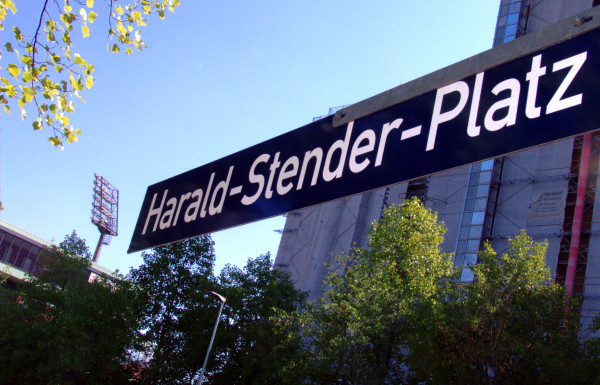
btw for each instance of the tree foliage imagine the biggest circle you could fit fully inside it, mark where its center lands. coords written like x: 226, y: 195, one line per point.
x: 510, y: 326
x: 45, y: 70
x: 397, y: 313
x: 58, y: 328
x: 74, y: 246
x: 63, y: 327
x: 254, y: 295
x: 178, y: 314
x: 359, y: 331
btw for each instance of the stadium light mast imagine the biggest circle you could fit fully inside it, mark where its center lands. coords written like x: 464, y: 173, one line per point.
x: 105, y: 212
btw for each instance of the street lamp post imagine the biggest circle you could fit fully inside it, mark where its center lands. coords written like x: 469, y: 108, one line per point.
x: 222, y: 299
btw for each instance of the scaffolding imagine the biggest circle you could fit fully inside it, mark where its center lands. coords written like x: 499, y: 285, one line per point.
x: 574, y: 247
x: 577, y: 224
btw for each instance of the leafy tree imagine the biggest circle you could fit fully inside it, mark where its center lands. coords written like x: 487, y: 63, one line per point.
x: 397, y: 313
x: 359, y: 331
x: 75, y: 246
x: 45, y: 71
x: 179, y: 314
x: 63, y: 328
x: 245, y: 352
x: 58, y: 328
x: 510, y: 326
x: 592, y: 351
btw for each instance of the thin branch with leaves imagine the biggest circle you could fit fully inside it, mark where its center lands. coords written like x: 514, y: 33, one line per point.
x: 45, y: 72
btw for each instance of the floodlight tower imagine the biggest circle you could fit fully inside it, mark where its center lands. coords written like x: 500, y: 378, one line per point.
x: 105, y: 212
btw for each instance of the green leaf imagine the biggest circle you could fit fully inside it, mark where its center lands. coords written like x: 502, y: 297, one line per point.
x: 65, y: 19
x: 18, y: 34
x: 79, y: 60
x: 115, y: 48
x: 14, y: 70
x: 72, y: 80
x: 8, y: 47
x: 11, y: 6
x: 77, y: 85
x: 27, y: 76
x: 11, y: 91
x: 55, y: 140
x: 27, y: 60
x: 37, y: 125
x: 121, y: 28
x: 29, y: 93
x: 67, y: 38
x: 71, y: 137
x: 92, y: 16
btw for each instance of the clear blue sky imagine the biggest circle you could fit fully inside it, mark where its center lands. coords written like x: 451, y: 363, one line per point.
x: 218, y: 77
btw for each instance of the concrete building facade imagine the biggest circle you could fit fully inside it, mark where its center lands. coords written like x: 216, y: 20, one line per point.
x: 550, y: 191
x: 20, y: 250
